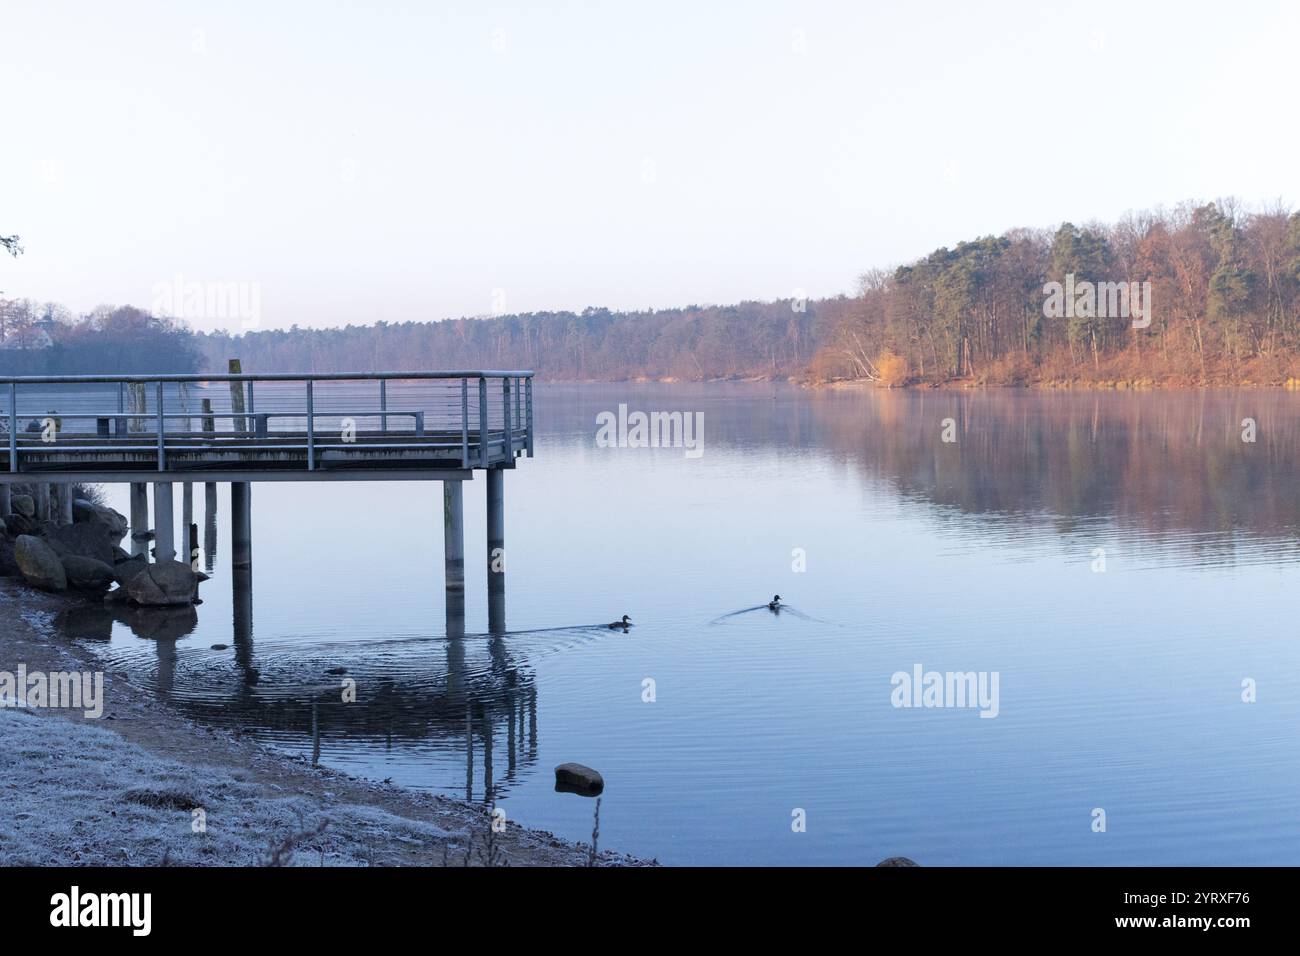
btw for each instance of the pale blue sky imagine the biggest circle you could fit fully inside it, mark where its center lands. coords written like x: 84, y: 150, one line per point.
x: 394, y: 160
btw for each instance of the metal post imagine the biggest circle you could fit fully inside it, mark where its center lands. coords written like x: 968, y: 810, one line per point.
x: 65, y: 503
x: 237, y: 422
x: 164, y: 538
x: 187, y: 521
x: 482, y: 423
x: 311, y: 429
x: 383, y: 405
x: 209, y: 524
x: 162, y: 455
x: 464, y: 423
x: 241, y: 524
x: 139, y: 518
x: 496, y: 549
x: 519, y: 404
x: 13, y: 426
x: 528, y: 411
x: 505, y: 419
x: 453, y: 536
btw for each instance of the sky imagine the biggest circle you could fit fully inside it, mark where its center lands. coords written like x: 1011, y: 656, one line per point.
x: 255, y: 164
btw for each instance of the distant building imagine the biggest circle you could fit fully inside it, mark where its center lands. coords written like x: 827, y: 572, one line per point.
x: 34, y: 336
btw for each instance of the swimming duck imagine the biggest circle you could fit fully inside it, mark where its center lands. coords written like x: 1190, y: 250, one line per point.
x: 775, y: 603
x: 624, y: 624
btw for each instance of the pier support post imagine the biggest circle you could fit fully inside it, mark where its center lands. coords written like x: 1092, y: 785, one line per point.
x: 164, y: 517
x: 65, y: 503
x: 187, y: 521
x: 496, y: 549
x: 139, y: 518
x: 42, y: 501
x: 209, y: 525
x: 241, y: 524
x: 453, y: 545
x: 6, y: 501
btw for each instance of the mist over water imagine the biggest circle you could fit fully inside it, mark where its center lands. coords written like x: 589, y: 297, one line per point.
x: 1119, y: 689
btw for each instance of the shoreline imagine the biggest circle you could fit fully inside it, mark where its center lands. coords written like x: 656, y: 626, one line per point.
x: 123, y: 789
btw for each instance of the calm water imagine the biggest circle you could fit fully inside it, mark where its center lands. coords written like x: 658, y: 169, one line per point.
x: 1118, y: 689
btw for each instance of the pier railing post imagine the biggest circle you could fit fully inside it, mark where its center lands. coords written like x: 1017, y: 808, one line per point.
x: 483, y: 451
x: 311, y: 428
x: 464, y: 423
x: 13, y: 426
x: 528, y: 416
x: 162, y: 425
x: 509, y: 445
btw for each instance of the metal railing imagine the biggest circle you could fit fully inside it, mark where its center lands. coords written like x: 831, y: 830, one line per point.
x: 466, y: 419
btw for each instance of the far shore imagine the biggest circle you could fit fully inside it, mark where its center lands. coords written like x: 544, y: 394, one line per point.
x: 124, y: 789
x: 855, y: 384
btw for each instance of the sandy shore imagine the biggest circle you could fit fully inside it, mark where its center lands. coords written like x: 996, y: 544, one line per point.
x: 123, y: 789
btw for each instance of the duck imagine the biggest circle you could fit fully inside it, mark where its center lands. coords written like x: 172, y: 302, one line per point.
x: 775, y: 603
x: 624, y: 624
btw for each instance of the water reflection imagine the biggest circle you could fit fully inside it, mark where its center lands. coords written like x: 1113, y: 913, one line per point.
x: 465, y: 692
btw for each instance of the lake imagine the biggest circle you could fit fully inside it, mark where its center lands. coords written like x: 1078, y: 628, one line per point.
x: 1124, y: 565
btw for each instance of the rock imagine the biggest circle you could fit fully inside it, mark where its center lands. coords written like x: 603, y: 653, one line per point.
x: 124, y: 571
x: 39, y: 564
x: 575, y: 778
x: 87, y: 573
x: 113, y: 521
x: 24, y: 505
x: 164, y: 584
x: 21, y: 524
x: 898, y: 861
x: 88, y: 540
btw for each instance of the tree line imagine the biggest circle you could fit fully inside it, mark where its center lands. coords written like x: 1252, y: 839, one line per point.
x: 1200, y: 294
x: 1223, y: 285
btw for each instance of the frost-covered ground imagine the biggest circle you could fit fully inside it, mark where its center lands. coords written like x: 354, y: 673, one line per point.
x: 123, y: 790
x: 76, y: 793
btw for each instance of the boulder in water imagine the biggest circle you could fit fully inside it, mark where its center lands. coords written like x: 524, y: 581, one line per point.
x: 575, y: 778
x: 164, y: 584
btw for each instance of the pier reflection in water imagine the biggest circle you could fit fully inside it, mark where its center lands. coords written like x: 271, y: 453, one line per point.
x: 474, y: 694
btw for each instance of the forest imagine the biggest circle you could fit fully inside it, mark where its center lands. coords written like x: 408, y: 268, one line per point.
x: 1223, y: 284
